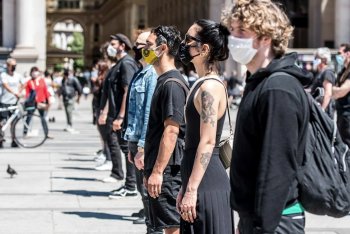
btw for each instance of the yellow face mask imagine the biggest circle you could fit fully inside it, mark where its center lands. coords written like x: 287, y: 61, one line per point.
x: 149, y: 56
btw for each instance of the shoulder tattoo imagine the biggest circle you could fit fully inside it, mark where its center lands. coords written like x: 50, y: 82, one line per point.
x: 207, y: 108
x: 204, y: 160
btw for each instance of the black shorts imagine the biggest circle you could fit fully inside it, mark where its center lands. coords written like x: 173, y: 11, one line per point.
x: 163, y: 213
x: 5, y: 114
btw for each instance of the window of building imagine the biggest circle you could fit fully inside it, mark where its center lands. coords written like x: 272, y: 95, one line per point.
x: 142, y: 16
x: 96, y: 32
x: 297, y: 11
x: 69, y: 4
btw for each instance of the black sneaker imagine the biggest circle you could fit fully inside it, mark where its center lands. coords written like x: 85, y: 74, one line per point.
x: 118, y: 190
x: 139, y: 214
x: 14, y: 144
x: 123, y: 193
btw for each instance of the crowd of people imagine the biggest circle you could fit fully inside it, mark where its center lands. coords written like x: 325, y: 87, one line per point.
x: 168, y: 125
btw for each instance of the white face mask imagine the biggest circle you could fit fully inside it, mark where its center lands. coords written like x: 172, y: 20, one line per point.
x: 111, y: 51
x: 316, y: 63
x: 241, y: 49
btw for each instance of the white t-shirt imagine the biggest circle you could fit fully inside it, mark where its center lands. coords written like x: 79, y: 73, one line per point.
x: 14, y: 82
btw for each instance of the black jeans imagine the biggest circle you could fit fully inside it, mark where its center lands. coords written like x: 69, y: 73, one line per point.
x: 117, y: 144
x: 343, y: 123
x: 142, y: 189
x: 3, y: 117
x: 289, y: 224
x: 103, y: 130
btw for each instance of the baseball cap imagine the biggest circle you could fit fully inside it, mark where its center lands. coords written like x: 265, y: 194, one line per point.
x: 123, y: 39
x: 141, y: 40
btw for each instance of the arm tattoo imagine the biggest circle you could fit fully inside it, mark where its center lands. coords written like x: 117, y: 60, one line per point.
x: 207, y: 108
x: 205, y: 158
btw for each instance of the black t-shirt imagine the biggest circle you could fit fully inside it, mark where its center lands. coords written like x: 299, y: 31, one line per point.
x: 116, y: 80
x: 328, y: 75
x: 168, y: 102
x: 343, y: 104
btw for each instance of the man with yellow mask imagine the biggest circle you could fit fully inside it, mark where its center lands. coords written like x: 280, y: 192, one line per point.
x: 166, y: 129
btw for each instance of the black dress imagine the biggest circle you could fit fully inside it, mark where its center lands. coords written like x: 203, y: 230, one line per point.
x: 214, y: 214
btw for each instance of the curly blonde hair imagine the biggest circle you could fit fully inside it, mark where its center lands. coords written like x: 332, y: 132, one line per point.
x: 263, y: 17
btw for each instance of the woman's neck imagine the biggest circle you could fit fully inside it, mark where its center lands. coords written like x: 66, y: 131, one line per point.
x: 204, y: 71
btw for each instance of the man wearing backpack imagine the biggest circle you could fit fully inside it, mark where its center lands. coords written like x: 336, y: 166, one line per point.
x: 166, y: 129
x: 272, y: 123
x: 342, y: 95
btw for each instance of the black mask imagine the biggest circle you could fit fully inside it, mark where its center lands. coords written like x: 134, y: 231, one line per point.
x: 184, y: 53
x: 13, y: 68
x: 138, y: 53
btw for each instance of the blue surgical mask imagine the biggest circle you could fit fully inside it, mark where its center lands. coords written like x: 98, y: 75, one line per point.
x: 340, y: 60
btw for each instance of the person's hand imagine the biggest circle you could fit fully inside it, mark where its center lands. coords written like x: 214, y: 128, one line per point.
x: 188, y: 206
x: 129, y: 158
x: 117, y: 124
x: 139, y: 160
x: 155, y: 184
x: 178, y: 200
x: 102, y: 119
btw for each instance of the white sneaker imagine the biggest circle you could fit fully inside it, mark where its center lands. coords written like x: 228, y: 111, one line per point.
x: 100, y: 158
x: 107, y: 166
x: 109, y: 179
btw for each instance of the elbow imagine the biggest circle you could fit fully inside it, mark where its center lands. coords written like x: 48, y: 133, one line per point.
x: 210, y: 143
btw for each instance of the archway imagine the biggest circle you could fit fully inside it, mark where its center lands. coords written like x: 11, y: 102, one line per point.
x: 66, y: 45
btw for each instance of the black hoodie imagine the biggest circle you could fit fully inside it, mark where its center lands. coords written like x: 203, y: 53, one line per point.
x: 269, y: 142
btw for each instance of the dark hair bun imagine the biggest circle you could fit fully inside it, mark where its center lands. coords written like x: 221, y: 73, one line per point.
x: 216, y: 35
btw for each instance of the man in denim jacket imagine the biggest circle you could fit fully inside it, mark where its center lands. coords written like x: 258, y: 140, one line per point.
x: 138, y: 107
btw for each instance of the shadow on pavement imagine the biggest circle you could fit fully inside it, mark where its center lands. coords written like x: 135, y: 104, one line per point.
x: 83, y: 193
x: 78, y: 168
x: 78, y: 160
x: 86, y: 214
x: 80, y: 154
x: 75, y: 178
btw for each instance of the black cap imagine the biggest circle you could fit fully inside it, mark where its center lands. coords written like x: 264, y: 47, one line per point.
x: 123, y: 39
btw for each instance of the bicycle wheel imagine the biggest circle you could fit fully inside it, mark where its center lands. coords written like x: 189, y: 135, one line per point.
x: 29, y: 131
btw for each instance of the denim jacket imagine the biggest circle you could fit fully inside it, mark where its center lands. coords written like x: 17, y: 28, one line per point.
x: 139, y: 104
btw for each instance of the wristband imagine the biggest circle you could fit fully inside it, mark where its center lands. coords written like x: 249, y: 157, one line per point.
x: 120, y: 117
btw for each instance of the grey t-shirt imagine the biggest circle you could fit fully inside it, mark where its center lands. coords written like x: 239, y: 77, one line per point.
x: 14, y: 82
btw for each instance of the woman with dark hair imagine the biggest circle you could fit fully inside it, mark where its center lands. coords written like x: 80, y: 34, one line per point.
x: 204, y: 200
x: 37, y: 85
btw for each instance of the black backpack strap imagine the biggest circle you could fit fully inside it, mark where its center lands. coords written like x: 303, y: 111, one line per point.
x: 180, y: 82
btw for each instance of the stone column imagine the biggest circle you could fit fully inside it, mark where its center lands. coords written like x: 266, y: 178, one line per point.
x: 8, y: 16
x: 342, y: 19
x: 30, y: 47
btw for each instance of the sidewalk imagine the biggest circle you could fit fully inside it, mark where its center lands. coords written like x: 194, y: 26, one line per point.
x: 57, y: 190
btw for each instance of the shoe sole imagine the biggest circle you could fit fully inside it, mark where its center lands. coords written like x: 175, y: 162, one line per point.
x: 118, y: 197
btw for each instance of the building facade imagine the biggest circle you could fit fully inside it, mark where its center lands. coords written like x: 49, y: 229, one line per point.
x: 27, y: 26
x: 23, y: 33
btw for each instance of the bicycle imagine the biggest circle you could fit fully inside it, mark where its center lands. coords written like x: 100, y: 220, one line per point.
x: 28, y: 130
